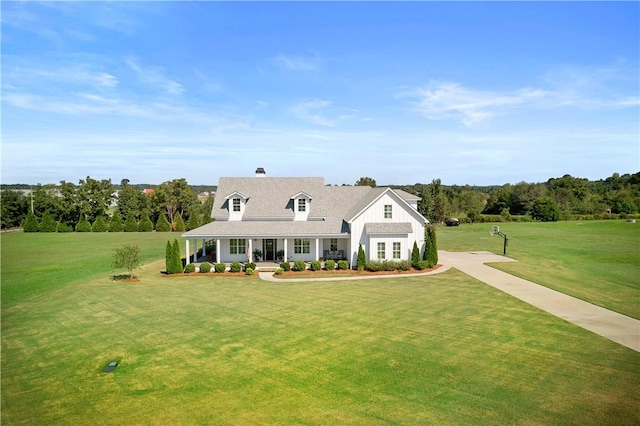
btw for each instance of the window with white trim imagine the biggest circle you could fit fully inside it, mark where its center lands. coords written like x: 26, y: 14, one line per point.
x: 334, y: 244
x: 381, y: 251
x: 236, y: 204
x: 237, y: 246
x: 396, y: 250
x: 302, y: 246
x: 388, y: 211
x: 302, y: 205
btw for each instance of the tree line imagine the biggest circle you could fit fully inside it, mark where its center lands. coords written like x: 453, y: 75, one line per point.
x: 94, y: 205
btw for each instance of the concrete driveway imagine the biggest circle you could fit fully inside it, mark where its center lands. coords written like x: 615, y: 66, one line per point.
x: 612, y: 325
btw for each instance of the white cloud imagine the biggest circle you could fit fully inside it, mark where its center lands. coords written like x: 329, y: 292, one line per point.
x: 297, y: 63
x: 309, y: 111
x: 154, y: 76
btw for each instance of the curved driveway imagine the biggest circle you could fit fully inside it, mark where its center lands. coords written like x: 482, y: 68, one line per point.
x: 612, y: 325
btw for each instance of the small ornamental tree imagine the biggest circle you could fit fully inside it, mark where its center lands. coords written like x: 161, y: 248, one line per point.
x: 178, y: 223
x: 31, y: 223
x: 163, y: 225
x: 361, y: 263
x: 130, y: 225
x: 193, y: 221
x: 145, y: 224
x: 415, y: 254
x: 545, y: 209
x: 99, y: 225
x: 115, y: 225
x: 83, y: 225
x: 48, y: 223
x: 128, y: 257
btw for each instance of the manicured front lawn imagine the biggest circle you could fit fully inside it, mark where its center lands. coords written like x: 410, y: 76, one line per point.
x: 597, y: 261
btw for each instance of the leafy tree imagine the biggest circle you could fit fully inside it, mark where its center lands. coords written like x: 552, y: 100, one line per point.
x: 115, y: 225
x: 131, y: 200
x: 437, y: 213
x: 31, y: 223
x: 546, y: 209
x: 207, y: 207
x: 94, y: 197
x: 415, y: 254
x: 361, y: 261
x: 14, y: 207
x: 145, y: 224
x: 99, y: 225
x: 128, y: 257
x: 366, y: 181
x: 163, y: 224
x: 130, y: 224
x: 174, y: 197
x: 178, y: 223
x: 48, y: 223
x: 69, y: 206
x: 83, y: 225
x: 431, y: 245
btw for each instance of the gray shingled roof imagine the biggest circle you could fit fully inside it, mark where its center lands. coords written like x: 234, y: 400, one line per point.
x: 378, y: 228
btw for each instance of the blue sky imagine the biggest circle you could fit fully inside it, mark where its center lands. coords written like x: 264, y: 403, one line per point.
x: 471, y: 93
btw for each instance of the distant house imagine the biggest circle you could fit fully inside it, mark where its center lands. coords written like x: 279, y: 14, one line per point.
x: 302, y: 218
x: 148, y: 191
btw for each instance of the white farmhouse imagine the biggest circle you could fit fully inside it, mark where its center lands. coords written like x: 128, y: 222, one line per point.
x: 302, y: 218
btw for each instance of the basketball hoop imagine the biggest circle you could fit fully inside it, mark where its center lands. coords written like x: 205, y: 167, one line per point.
x: 495, y: 230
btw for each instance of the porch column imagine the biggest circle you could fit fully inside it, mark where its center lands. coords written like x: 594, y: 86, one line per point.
x: 317, y: 248
x: 187, y: 260
x: 250, y: 250
x: 195, y: 251
x: 285, y: 258
x: 218, y: 250
x: 204, y: 248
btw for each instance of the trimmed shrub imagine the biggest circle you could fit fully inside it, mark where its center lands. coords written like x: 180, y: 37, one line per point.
x: 330, y: 265
x: 178, y: 223
x: 31, y: 223
x: 220, y: 267
x: 249, y: 271
x: 299, y: 265
x: 286, y: 266
x: 163, y: 225
x: 63, y: 227
x: 415, y: 254
x: 279, y: 271
x: 430, y: 245
x: 249, y: 265
x: 343, y: 264
x: 190, y: 268
x: 83, y: 225
x: 424, y: 264
x: 361, y: 262
x: 145, y: 224
x: 99, y: 225
x: 374, y: 266
x: 404, y: 265
x: 235, y: 266
x: 316, y: 265
x: 48, y: 223
x: 130, y: 225
x: 177, y: 257
x: 205, y: 267
x: 115, y: 225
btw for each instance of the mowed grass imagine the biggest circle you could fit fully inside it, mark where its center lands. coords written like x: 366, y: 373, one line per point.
x: 442, y: 349
x: 597, y: 261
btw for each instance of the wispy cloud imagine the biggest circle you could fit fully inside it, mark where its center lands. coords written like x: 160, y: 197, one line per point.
x: 154, y: 76
x: 321, y: 112
x: 297, y: 63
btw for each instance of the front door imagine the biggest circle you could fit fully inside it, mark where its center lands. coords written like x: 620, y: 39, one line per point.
x: 269, y: 249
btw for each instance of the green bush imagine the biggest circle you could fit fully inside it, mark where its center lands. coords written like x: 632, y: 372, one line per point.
x: 286, y: 266
x: 249, y: 271
x: 235, y: 266
x: 130, y: 225
x: 47, y: 223
x: 424, y: 264
x: 190, y: 268
x: 83, y: 225
x: 163, y: 225
x: 343, y: 265
x: 31, y: 223
x: 361, y: 262
x: 330, y: 265
x: 299, y: 265
x: 115, y: 225
x: 145, y: 224
x: 404, y: 265
x: 415, y: 254
x: 279, y: 271
x: 178, y: 223
x: 249, y: 265
x: 99, y: 225
x: 220, y: 267
x: 316, y: 265
x: 63, y: 227
x: 205, y: 267
x: 374, y: 266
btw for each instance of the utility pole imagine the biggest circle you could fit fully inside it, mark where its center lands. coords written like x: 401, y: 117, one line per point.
x: 32, y: 200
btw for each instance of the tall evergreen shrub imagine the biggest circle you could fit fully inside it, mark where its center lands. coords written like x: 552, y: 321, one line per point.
x: 361, y: 263
x: 163, y: 225
x: 177, y: 258
x: 31, y: 223
x: 193, y: 221
x: 415, y: 254
x: 48, y: 223
x: 83, y: 225
x: 145, y: 224
x: 99, y: 225
x: 130, y: 225
x: 430, y: 245
x: 115, y: 225
x: 178, y: 223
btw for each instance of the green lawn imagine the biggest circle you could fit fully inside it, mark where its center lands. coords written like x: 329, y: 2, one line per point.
x: 597, y: 261
x: 443, y: 349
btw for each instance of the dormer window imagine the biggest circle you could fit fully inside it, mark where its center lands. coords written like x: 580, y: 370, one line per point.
x: 236, y: 204
x: 302, y: 205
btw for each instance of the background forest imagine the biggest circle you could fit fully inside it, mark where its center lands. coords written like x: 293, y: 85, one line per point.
x: 98, y: 205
